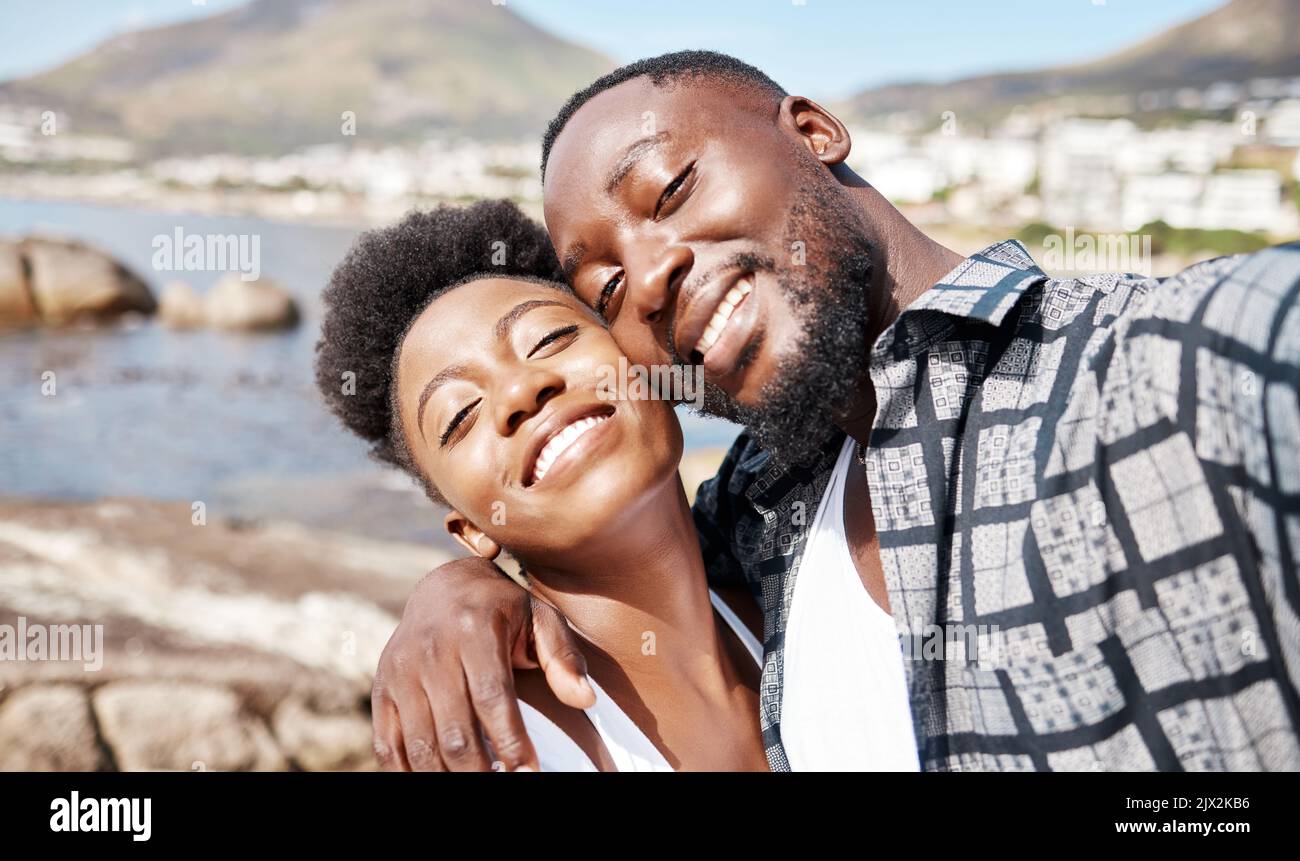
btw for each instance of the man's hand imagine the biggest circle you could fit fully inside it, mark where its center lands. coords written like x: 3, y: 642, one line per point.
x: 445, y: 678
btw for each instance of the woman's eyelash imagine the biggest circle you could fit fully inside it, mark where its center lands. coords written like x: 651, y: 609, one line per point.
x: 673, y: 187
x: 455, y: 422
x: 552, y: 337
x: 606, y: 294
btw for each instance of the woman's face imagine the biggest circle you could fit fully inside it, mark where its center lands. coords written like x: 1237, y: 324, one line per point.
x: 497, y: 393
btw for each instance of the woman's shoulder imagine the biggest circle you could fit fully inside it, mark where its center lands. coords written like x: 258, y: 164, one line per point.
x: 562, y: 735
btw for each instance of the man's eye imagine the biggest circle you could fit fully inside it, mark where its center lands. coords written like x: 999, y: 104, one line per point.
x: 607, y: 293
x: 551, y: 337
x: 456, y: 421
x: 672, y: 188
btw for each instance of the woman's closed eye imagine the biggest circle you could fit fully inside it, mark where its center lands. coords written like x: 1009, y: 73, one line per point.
x: 457, y: 421
x: 562, y: 336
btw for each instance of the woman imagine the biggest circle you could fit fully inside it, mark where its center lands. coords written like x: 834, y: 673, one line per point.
x: 451, y: 344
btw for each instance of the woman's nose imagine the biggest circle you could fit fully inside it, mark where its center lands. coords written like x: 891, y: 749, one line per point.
x: 523, y: 396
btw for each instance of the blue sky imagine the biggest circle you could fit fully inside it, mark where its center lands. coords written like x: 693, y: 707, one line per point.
x: 825, y: 48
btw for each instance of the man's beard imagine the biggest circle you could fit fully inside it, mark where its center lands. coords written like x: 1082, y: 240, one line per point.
x: 817, y: 381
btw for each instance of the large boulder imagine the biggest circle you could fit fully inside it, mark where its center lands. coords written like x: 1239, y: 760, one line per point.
x: 249, y: 306
x: 180, y: 306
x: 207, y: 643
x: 16, y: 306
x: 48, y: 728
x: 183, y: 726
x: 71, y: 282
x: 335, y: 741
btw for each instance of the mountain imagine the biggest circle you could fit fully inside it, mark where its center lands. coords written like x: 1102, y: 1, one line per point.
x: 278, y: 74
x: 1241, y: 40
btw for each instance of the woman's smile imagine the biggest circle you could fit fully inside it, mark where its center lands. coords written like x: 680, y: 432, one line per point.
x: 564, y: 437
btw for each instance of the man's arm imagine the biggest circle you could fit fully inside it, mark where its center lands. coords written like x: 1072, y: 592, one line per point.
x: 1247, y: 395
x: 446, y: 677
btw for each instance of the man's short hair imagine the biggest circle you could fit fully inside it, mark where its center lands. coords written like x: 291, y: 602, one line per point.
x: 661, y: 70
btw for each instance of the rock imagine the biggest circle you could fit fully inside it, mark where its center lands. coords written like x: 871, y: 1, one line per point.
x: 48, y: 728
x: 323, y: 742
x: 16, y: 307
x: 209, y: 631
x: 249, y: 306
x: 180, y: 306
x: 183, y: 726
x: 70, y: 281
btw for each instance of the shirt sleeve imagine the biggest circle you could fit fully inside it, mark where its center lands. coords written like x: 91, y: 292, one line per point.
x: 1247, y: 415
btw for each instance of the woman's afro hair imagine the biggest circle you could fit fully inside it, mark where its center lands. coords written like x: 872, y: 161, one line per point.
x: 385, y: 282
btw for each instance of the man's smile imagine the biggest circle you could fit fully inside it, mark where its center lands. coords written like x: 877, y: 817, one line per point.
x: 717, y: 321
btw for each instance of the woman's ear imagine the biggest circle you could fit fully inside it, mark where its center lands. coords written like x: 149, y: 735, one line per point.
x: 470, y: 536
x: 819, y: 129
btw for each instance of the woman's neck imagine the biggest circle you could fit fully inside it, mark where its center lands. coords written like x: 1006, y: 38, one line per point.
x: 638, y: 593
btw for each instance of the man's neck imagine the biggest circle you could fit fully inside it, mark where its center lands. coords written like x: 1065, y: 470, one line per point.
x: 907, y: 263
x: 639, y: 594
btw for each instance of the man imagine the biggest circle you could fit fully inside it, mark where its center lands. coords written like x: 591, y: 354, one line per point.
x: 1098, y: 477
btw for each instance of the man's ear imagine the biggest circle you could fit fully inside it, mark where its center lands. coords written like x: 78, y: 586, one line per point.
x: 470, y: 536
x: 819, y: 129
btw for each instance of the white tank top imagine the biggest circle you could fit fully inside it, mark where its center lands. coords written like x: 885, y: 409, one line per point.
x: 627, y: 745
x: 844, y: 704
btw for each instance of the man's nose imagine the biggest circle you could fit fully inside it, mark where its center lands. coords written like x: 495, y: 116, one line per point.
x: 654, y: 281
x: 523, y: 395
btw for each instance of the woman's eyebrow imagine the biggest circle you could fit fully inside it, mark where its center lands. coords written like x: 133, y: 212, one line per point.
x: 446, y: 375
x: 509, y: 318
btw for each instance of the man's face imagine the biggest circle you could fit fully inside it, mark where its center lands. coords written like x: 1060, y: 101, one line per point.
x: 698, y: 221
x: 682, y: 214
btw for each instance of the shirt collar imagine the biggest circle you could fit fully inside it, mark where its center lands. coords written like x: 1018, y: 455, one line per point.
x: 983, y: 287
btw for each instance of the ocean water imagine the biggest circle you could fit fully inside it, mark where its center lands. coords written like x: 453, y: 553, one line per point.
x: 229, y: 420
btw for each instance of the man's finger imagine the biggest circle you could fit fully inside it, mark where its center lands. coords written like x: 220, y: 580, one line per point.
x: 560, y: 658
x: 460, y: 741
x: 491, y: 685
x: 387, y: 731
x: 419, y: 742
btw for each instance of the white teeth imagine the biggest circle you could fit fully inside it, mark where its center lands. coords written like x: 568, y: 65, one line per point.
x: 722, y: 314
x: 556, y: 445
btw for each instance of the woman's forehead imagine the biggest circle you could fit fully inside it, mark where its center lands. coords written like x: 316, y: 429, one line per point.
x: 467, y: 317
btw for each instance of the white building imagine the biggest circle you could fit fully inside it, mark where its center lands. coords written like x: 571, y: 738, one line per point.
x: 1236, y: 200
x: 1282, y: 126
x: 1245, y: 200
x: 1080, y: 179
x: 907, y: 178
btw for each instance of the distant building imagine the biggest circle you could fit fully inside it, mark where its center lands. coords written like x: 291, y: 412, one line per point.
x: 1282, y: 127
x: 907, y: 179
x: 1237, y: 200
x: 1080, y: 180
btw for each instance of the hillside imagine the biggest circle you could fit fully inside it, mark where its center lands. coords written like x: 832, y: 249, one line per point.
x: 1241, y: 40
x: 278, y: 74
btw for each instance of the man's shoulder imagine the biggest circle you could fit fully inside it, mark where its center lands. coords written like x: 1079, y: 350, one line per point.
x: 1239, y: 303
